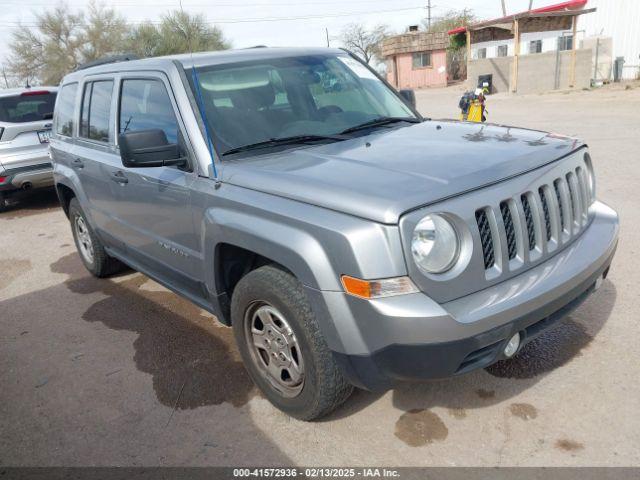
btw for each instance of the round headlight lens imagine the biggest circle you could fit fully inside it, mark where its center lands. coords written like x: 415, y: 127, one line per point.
x: 435, y: 244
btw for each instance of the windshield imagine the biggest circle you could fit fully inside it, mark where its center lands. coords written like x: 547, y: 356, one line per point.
x: 28, y: 107
x: 320, y: 95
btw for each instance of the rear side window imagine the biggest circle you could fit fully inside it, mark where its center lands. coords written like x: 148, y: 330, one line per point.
x: 30, y: 106
x: 145, y: 105
x: 64, y: 110
x: 96, y: 110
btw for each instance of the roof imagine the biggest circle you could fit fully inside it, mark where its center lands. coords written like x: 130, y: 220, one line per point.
x: 559, y: 7
x: 414, y: 42
x: 18, y: 91
x: 206, y: 58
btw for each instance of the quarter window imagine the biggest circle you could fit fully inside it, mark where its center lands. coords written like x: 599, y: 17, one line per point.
x: 421, y: 60
x: 64, y: 110
x: 145, y: 105
x: 96, y: 110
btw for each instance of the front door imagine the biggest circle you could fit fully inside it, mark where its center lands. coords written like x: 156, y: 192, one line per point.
x: 155, y: 203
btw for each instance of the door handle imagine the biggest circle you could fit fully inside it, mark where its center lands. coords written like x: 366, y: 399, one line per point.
x: 77, y: 163
x: 119, y: 177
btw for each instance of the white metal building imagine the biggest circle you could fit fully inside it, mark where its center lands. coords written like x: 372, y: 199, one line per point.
x: 620, y: 20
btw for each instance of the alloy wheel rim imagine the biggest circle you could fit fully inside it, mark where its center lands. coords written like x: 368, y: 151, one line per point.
x: 274, y: 349
x: 84, y: 239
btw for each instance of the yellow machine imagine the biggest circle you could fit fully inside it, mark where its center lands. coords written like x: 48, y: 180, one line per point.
x: 472, y: 107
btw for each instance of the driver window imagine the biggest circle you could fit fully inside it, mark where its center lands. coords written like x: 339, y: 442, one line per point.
x: 145, y: 105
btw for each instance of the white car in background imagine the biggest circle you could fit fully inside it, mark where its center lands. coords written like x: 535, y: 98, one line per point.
x: 26, y: 115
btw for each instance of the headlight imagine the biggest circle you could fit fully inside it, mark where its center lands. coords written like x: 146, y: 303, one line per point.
x: 591, y: 178
x: 435, y: 245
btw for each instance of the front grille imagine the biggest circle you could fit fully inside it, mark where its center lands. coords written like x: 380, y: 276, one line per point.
x: 509, y: 229
x: 537, y: 217
x: 485, y: 237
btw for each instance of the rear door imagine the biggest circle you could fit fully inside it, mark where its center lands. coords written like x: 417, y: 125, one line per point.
x: 96, y: 158
x: 25, y: 126
x: 155, y: 207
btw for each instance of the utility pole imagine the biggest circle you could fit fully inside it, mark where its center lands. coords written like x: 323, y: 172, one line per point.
x: 530, y: 4
x: 326, y: 31
x: 504, y: 9
x: 428, y: 14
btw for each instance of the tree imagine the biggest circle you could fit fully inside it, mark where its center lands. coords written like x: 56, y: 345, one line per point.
x: 364, y: 43
x: 105, y: 33
x: 178, y: 32
x: 45, y: 53
x: 62, y: 39
x: 456, y: 53
x: 450, y: 20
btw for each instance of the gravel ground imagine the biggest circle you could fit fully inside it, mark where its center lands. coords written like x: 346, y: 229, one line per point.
x: 122, y: 372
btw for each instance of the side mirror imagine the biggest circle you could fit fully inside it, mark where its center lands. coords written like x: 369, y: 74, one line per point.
x: 410, y: 96
x: 148, y: 148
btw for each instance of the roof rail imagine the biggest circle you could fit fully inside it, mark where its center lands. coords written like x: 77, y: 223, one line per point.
x: 110, y: 59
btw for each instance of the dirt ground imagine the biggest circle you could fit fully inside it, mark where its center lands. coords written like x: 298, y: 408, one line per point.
x: 122, y: 372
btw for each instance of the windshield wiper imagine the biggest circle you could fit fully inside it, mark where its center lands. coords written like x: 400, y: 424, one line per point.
x: 380, y: 121
x: 274, y: 142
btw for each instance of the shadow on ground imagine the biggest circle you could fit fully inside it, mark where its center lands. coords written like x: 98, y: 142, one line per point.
x: 192, y: 362
x: 192, y: 359
x: 32, y: 202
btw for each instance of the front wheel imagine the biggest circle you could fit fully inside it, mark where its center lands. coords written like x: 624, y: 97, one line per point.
x: 282, y: 346
x: 92, y: 252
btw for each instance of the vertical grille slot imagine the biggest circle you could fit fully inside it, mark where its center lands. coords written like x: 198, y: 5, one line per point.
x: 510, y: 231
x: 484, y: 227
x: 573, y: 198
x: 528, y: 216
x: 584, y: 193
x: 556, y: 187
x: 545, y: 211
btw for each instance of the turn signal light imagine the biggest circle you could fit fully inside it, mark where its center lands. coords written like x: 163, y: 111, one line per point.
x: 386, y: 287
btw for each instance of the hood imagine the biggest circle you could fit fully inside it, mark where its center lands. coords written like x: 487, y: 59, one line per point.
x: 382, y: 175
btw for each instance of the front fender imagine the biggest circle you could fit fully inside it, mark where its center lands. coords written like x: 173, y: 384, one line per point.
x: 316, y: 244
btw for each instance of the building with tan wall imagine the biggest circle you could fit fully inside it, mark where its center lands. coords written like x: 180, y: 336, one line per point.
x: 532, y: 51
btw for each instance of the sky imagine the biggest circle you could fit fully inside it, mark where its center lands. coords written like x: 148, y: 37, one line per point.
x: 276, y: 22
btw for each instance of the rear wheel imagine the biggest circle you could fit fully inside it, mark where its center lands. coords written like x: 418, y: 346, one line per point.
x: 90, y: 248
x: 282, y: 347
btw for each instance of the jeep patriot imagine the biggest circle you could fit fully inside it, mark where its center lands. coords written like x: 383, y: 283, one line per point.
x: 347, y: 240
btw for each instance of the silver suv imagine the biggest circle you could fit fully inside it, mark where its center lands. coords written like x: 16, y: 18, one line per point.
x: 25, y: 125
x: 346, y: 239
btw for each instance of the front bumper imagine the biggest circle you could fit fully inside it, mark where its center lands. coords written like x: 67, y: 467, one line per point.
x: 410, y: 337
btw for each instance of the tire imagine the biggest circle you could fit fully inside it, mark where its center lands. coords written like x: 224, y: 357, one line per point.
x: 271, y: 293
x: 3, y: 202
x: 99, y: 263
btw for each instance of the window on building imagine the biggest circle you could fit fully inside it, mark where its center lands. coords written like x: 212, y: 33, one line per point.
x: 535, y: 46
x: 96, y: 110
x: 565, y: 42
x: 482, y: 53
x: 421, y: 60
x: 145, y: 105
x: 64, y: 111
x: 503, y: 50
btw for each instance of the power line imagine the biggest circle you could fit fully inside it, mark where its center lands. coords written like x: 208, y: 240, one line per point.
x: 17, y: 24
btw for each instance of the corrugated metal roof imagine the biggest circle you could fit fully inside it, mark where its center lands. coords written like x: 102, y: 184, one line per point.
x: 569, y: 5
